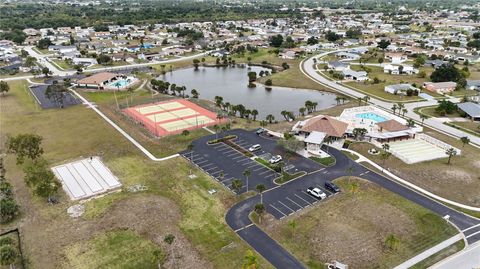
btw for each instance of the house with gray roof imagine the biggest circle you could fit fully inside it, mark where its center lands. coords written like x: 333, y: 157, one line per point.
x: 471, y: 109
x: 473, y: 85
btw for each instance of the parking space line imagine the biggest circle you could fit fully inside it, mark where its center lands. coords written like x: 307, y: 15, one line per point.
x: 293, y: 202
x: 303, y: 199
x: 221, y: 145
x: 286, y: 206
x: 207, y: 165
x: 198, y: 163
x: 232, y: 154
x: 219, y: 171
x: 230, y: 178
x: 277, y: 209
x: 238, y: 157
x: 224, y: 150
x: 261, y: 167
x: 246, y: 159
x: 264, y: 172
x: 253, y: 165
x: 247, y: 163
x: 211, y: 168
x: 308, y: 195
x: 272, y: 174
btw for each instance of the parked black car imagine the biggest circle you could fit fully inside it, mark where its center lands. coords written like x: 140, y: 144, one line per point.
x: 332, y: 187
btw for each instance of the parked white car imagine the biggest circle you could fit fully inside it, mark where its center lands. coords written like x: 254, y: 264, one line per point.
x: 317, y: 193
x: 275, y: 159
x: 255, y: 148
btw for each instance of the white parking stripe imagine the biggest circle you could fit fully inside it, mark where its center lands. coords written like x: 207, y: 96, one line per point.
x: 475, y: 233
x: 241, y: 161
x: 253, y: 165
x: 207, y: 165
x: 219, y: 171
x: 315, y: 199
x: 211, y: 168
x: 303, y: 199
x: 271, y: 175
x: 238, y: 157
x: 469, y: 228
x: 198, y: 163
x: 261, y: 167
x: 277, y: 209
x: 233, y: 154
x: 264, y: 172
x: 294, y: 202
x: 224, y: 150
x: 247, y: 163
x: 286, y: 206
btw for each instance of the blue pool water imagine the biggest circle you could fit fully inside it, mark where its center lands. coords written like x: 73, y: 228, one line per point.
x: 119, y: 83
x: 371, y: 116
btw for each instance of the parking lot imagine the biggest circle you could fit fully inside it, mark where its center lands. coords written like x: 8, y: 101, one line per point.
x: 225, y: 164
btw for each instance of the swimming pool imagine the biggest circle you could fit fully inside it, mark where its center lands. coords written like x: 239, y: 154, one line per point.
x: 371, y: 116
x: 119, y: 83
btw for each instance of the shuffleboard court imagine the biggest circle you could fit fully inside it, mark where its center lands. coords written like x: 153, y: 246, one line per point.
x: 86, y: 178
x: 172, y: 117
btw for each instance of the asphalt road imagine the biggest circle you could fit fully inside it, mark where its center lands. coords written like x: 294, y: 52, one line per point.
x: 286, y: 199
x: 307, y: 66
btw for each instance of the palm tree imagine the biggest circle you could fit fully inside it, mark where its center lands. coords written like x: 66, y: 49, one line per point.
x: 237, y: 184
x: 254, y: 113
x: 170, y: 239
x: 394, y: 108
x: 309, y: 106
x: 392, y: 241
x: 216, y: 128
x: 302, y: 111
x: 404, y: 110
x: 423, y: 117
x: 247, y: 173
x: 284, y: 114
x: 338, y: 98
x: 450, y: 152
x: 259, y: 209
x: 366, y: 98
x: 261, y: 188
x: 270, y: 118
x: 194, y: 93
x: 410, y: 123
x: 328, y: 140
x: 250, y: 261
x: 465, y: 140
x: 360, y: 99
x: 263, y: 123
x: 314, y: 105
x: 354, y: 186
x: 8, y: 255
x: 293, y: 225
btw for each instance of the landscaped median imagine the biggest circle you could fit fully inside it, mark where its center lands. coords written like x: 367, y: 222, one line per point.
x: 285, y: 176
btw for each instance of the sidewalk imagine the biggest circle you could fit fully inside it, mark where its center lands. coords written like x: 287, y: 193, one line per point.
x: 429, y: 252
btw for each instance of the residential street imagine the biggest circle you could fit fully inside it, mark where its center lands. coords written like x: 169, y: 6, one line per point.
x: 307, y: 67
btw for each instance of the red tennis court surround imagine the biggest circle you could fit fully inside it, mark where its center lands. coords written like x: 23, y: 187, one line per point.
x: 172, y: 117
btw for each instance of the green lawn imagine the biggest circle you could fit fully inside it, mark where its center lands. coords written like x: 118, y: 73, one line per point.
x: 467, y: 126
x: 62, y: 64
x: 327, y: 161
x: 116, y: 249
x: 78, y: 132
x: 345, y: 228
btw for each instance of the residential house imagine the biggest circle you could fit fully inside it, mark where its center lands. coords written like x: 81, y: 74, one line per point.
x: 399, y: 69
x: 440, y: 87
x: 473, y: 85
x: 355, y: 75
x: 471, y: 109
x: 338, y: 66
x: 396, y: 58
x: 402, y: 89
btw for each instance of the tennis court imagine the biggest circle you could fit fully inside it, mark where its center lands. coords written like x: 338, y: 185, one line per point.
x: 172, y: 117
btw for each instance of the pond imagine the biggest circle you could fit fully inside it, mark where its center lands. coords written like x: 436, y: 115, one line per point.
x: 231, y: 83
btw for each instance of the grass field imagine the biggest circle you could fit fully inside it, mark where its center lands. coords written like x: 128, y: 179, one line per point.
x: 430, y: 111
x: 346, y: 229
x: 437, y: 176
x: 471, y: 126
x: 114, y: 250
x: 172, y: 203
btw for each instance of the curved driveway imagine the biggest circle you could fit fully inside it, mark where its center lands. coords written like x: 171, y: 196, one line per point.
x: 308, y: 68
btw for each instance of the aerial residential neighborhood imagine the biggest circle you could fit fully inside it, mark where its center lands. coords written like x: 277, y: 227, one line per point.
x: 239, y: 134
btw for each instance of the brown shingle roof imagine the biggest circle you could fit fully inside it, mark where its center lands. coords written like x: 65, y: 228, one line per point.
x: 392, y: 126
x: 97, y: 78
x: 326, y: 124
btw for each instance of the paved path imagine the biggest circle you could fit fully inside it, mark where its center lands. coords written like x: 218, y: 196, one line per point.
x: 429, y: 252
x: 468, y: 258
x: 307, y: 68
